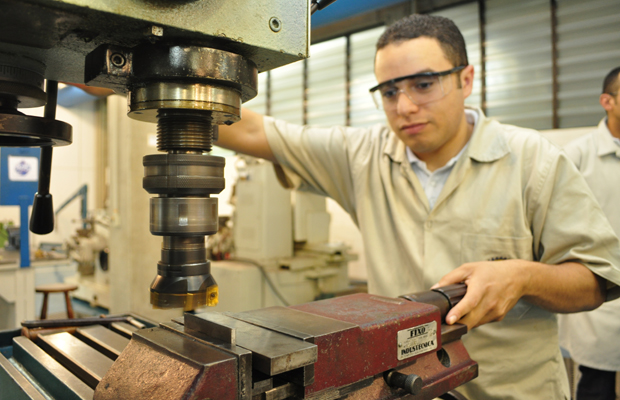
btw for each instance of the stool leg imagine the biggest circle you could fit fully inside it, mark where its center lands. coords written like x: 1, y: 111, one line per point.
x: 44, y: 308
x: 69, y: 306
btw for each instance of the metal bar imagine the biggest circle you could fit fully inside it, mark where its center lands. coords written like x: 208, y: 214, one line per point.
x: 216, y: 330
x: 56, y: 379
x: 14, y: 385
x: 104, y: 340
x: 273, y: 352
x: 59, y: 323
x: 85, y: 362
x: 283, y: 392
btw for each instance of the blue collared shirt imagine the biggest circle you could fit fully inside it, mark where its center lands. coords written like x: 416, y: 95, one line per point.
x: 433, y: 182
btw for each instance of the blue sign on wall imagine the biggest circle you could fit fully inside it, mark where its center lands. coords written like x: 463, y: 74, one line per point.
x: 19, y: 174
x: 19, y: 180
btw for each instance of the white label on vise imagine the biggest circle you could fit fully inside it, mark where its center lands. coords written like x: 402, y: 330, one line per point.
x: 417, y: 340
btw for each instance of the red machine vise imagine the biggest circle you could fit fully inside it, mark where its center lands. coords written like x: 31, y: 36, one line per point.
x: 359, y: 347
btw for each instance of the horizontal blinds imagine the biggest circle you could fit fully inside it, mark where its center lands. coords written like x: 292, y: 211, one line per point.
x: 362, y: 77
x: 467, y: 19
x: 259, y: 103
x: 519, y: 62
x: 326, y: 90
x: 588, y: 48
x: 287, y: 93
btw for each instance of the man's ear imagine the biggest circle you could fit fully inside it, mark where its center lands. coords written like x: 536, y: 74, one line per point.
x: 467, y: 80
x: 606, y: 101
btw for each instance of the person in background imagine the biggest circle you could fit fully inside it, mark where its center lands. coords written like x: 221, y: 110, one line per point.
x: 593, y: 338
x: 446, y: 195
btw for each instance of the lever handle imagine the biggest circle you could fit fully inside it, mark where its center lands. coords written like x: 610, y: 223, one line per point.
x: 42, y: 217
x: 412, y: 384
x: 444, y: 297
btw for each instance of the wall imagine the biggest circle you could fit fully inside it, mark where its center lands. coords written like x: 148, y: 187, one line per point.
x: 72, y: 166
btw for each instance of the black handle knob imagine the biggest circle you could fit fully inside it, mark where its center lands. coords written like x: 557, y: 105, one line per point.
x: 444, y: 297
x: 412, y: 384
x: 42, y: 217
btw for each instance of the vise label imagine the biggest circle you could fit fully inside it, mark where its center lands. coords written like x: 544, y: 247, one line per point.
x: 417, y: 340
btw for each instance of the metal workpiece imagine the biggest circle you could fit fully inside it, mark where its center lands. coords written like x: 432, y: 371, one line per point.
x: 296, y: 323
x: 272, y: 352
x: 183, y: 216
x: 244, y: 357
x: 171, y: 367
x: 183, y: 174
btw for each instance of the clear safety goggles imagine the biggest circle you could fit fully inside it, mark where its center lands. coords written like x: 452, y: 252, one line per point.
x: 420, y: 88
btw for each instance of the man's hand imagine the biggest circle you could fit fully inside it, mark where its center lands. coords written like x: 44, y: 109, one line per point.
x: 494, y: 287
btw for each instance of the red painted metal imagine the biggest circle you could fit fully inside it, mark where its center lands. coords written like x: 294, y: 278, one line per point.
x: 361, y: 352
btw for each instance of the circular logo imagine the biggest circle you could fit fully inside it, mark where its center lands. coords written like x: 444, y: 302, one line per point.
x: 22, y: 168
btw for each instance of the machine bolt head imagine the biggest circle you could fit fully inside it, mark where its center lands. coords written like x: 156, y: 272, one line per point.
x: 118, y: 60
x: 275, y: 24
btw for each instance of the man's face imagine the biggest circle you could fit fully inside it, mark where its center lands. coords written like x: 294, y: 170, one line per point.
x: 611, y: 104
x: 431, y: 128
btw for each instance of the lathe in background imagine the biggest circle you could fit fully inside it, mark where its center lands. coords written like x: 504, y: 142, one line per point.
x: 277, y: 250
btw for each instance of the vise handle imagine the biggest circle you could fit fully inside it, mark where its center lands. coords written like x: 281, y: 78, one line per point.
x: 444, y: 297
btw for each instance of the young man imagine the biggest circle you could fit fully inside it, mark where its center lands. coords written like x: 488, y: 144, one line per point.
x: 445, y: 195
x: 592, y: 337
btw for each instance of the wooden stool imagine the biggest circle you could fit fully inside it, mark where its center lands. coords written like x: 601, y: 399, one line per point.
x: 56, y: 288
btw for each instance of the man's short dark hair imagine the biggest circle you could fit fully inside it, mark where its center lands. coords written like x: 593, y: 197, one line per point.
x: 611, y: 83
x: 423, y: 25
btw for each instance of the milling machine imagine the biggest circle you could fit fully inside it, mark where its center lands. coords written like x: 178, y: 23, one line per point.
x: 188, y: 65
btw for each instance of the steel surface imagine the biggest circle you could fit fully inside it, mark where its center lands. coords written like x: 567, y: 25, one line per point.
x: 183, y: 216
x: 292, y: 322
x: 59, y: 382
x: 107, y: 342
x: 244, y: 357
x: 273, y: 352
x: 14, y: 386
x: 123, y: 328
x: 85, y: 362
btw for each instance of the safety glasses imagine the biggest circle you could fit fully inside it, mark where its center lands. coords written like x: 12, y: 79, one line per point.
x: 420, y: 88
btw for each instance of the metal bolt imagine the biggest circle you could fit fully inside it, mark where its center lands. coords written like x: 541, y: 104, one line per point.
x: 275, y: 24
x: 154, y: 30
x: 118, y: 60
